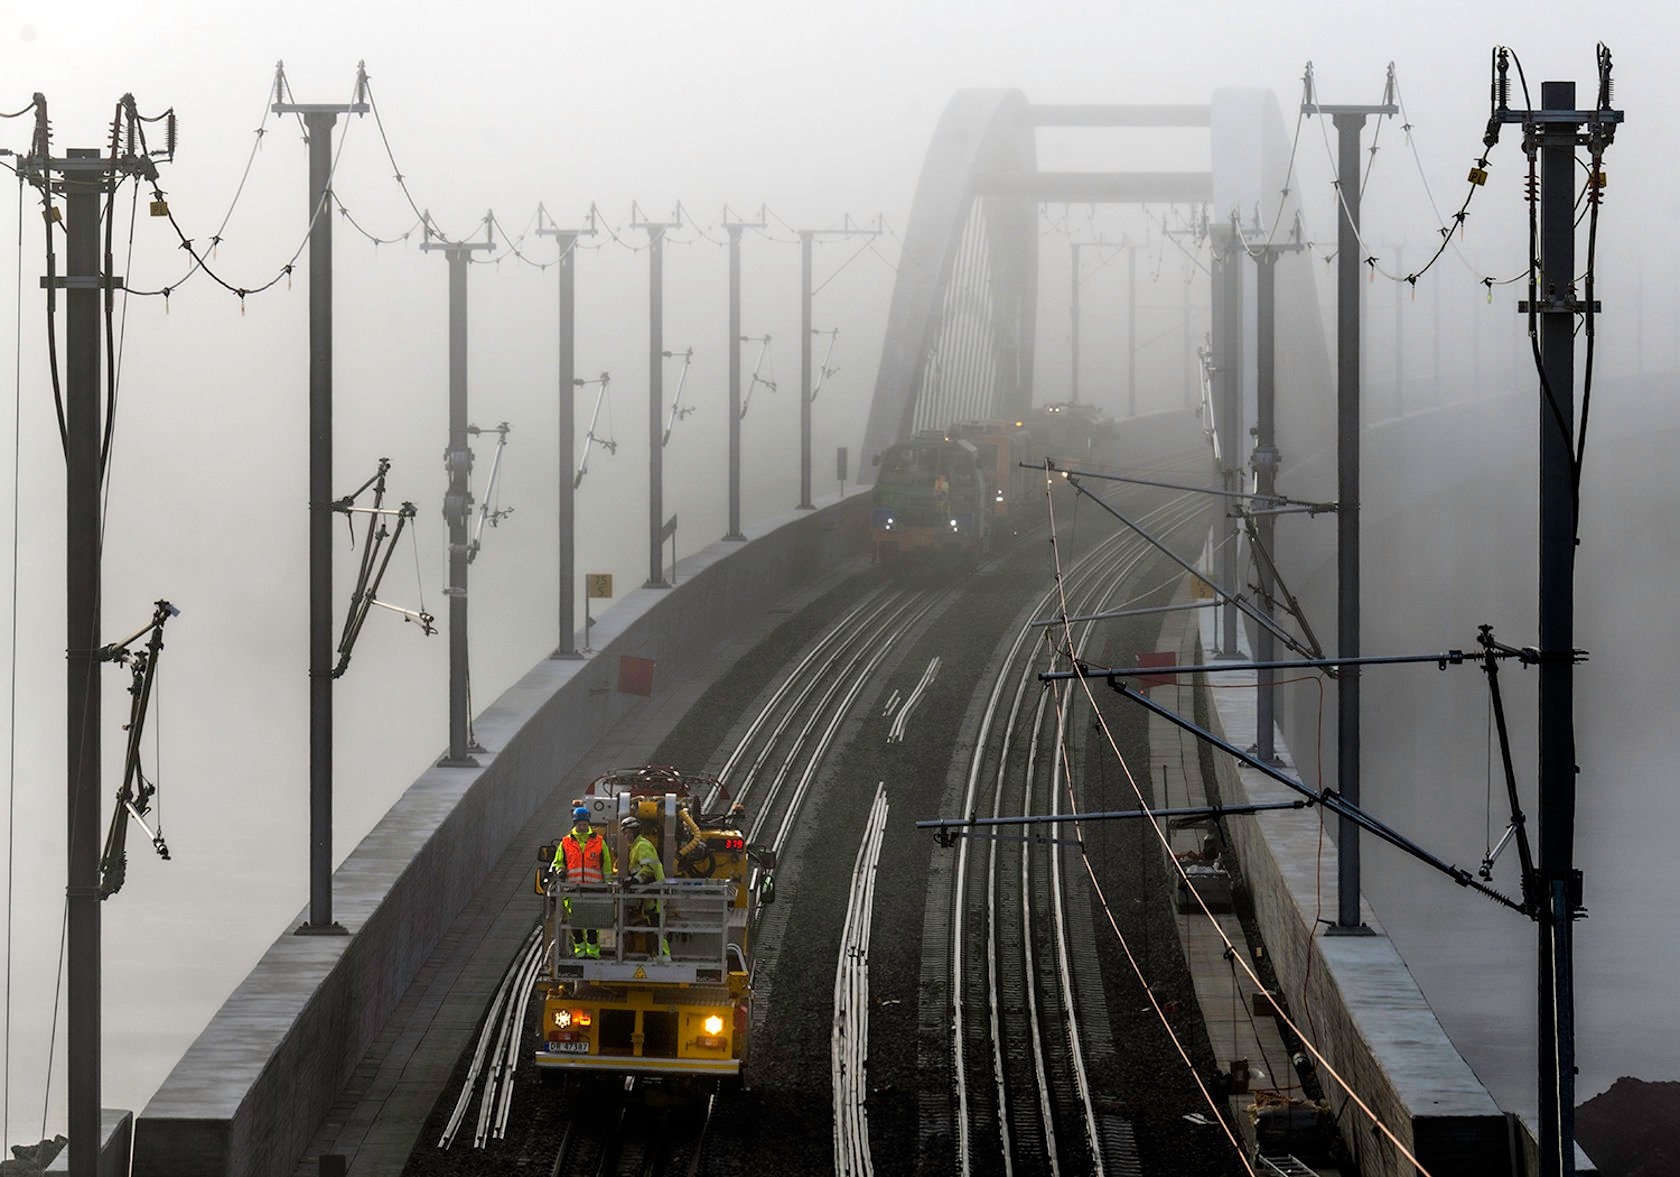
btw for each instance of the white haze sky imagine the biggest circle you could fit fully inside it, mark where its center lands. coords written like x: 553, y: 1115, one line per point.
x: 819, y: 111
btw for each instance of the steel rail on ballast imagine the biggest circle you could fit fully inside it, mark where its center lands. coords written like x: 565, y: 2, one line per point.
x: 1082, y: 1077
x: 802, y: 680
x: 1103, y: 561
x: 1093, y: 574
x: 839, y: 713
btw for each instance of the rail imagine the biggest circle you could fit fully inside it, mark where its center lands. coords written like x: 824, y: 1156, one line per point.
x: 1041, y: 1064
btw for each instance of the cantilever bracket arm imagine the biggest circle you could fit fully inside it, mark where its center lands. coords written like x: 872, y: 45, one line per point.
x: 485, y: 514
x: 590, y: 439
x: 948, y: 829
x: 824, y: 370
x: 379, y: 544
x: 763, y: 351
x: 1441, y: 659
x: 1291, y: 602
x: 679, y: 412
x: 1331, y: 799
x: 1282, y: 635
x: 134, y: 795
x: 1275, y: 501
x: 1531, y: 888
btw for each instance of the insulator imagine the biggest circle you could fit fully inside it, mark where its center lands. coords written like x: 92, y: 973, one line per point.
x: 170, y: 135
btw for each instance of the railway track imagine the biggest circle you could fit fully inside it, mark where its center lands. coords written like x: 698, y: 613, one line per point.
x: 1019, y: 1056
x: 774, y: 762
x: 621, y: 1135
x: 771, y: 770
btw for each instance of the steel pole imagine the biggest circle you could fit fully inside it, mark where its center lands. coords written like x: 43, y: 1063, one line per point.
x: 1228, y: 416
x: 458, y: 509
x: 1073, y: 330
x: 568, y: 446
x: 319, y: 125
x: 1348, y: 128
x: 1265, y: 473
x: 805, y: 370
x: 656, y: 406
x: 1187, y: 348
x: 1556, y: 717
x: 734, y: 384
x: 1131, y: 330
x: 84, y: 400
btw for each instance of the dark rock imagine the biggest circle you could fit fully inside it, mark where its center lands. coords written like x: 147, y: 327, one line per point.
x: 29, y: 1160
x: 1633, y: 1129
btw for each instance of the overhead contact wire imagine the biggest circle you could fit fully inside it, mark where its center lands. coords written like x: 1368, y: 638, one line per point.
x: 1239, y: 957
x: 1137, y: 969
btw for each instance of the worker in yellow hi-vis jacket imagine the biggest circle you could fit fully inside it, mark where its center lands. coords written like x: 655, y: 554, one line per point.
x: 645, y: 868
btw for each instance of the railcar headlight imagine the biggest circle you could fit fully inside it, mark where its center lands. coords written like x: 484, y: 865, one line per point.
x: 953, y: 525
x: 562, y: 1019
x: 713, y: 1025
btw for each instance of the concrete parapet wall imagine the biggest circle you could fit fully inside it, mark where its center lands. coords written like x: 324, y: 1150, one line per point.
x: 247, y: 1096
x: 116, y: 1133
x: 1352, y: 996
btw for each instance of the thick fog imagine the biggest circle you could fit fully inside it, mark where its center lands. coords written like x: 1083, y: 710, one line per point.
x: 817, y: 112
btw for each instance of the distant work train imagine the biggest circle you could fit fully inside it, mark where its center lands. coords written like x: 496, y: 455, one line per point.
x: 947, y: 496
x: 664, y: 989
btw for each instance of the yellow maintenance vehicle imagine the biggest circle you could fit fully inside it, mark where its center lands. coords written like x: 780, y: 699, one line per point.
x: 653, y: 979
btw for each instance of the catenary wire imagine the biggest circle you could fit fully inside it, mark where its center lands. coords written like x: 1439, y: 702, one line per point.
x: 285, y: 269
x: 1062, y: 697
x: 1260, y: 987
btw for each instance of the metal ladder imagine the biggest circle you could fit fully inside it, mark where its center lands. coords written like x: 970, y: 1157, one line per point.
x: 1285, y: 1165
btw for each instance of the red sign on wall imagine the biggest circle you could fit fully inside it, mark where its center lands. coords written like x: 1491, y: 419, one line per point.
x: 635, y: 675
x: 1157, y: 658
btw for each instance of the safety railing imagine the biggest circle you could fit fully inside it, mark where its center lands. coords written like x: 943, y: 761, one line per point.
x: 678, y: 922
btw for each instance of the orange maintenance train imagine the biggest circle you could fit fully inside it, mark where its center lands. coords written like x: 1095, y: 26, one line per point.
x: 648, y: 920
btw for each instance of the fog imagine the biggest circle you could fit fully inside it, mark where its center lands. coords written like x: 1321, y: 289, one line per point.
x: 818, y: 112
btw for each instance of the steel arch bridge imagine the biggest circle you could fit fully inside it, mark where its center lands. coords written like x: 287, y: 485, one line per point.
x: 960, y: 332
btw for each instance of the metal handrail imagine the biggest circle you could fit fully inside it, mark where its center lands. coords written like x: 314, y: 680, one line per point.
x: 688, y: 917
